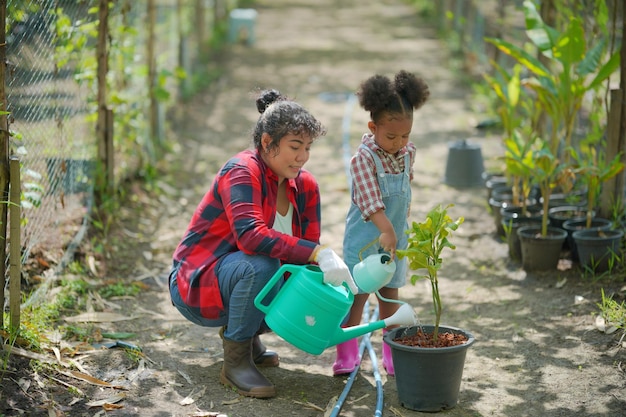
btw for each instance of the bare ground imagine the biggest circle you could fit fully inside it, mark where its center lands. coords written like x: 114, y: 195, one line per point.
x: 538, y: 352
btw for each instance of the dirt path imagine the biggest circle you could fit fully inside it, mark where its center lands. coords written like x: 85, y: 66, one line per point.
x: 537, y: 351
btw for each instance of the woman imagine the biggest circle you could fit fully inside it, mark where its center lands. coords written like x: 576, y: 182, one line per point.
x: 262, y: 209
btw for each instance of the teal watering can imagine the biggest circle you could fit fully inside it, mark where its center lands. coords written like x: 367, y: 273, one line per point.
x: 373, y: 272
x: 308, y: 313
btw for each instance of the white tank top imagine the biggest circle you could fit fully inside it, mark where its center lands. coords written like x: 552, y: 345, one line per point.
x: 283, y: 223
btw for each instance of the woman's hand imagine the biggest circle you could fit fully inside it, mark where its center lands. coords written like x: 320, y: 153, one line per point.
x: 335, y: 269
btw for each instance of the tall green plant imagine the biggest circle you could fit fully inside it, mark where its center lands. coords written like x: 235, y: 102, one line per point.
x: 426, y: 242
x: 518, y: 160
x: 574, y: 69
x: 594, y: 169
x: 507, y: 87
x: 550, y: 172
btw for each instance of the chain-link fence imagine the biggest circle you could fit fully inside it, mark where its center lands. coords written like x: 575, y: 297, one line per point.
x: 51, y: 99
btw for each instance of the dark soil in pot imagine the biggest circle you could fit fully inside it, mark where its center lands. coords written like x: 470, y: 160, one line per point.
x: 425, y: 340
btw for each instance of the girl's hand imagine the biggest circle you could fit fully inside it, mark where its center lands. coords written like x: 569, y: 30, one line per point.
x: 388, y: 241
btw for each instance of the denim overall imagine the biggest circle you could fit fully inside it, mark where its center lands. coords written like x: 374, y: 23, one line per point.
x: 396, y: 193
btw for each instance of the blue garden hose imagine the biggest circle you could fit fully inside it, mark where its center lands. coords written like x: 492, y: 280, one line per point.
x: 377, y: 378
x: 365, y: 343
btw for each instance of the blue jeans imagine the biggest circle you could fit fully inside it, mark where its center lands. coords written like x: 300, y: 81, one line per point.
x: 241, y: 277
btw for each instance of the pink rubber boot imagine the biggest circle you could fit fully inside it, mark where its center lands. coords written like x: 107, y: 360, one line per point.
x: 387, y: 359
x: 347, y: 357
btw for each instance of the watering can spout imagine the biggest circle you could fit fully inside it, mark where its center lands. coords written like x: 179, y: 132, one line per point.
x: 405, y: 316
x: 343, y: 334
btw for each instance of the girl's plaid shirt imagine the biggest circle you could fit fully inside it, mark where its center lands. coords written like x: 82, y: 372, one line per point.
x: 365, y: 190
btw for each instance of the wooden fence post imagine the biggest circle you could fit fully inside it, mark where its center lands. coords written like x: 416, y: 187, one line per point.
x: 4, y: 156
x: 612, y: 189
x: 15, y: 244
x: 102, y: 55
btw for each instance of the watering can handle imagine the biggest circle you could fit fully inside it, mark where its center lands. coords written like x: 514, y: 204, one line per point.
x: 367, y: 246
x: 258, y: 300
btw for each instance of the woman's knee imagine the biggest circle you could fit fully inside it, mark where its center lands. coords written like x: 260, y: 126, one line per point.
x: 266, y: 266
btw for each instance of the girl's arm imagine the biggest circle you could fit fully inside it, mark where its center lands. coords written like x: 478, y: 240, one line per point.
x: 388, y: 239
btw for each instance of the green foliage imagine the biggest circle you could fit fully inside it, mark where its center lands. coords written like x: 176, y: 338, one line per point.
x: 549, y: 173
x: 593, y: 169
x: 425, y: 8
x: 426, y: 242
x: 81, y: 333
x: 575, y: 62
x: 614, y: 265
x: 71, y: 296
x: 613, y: 313
x: 119, y: 289
x: 34, y: 322
x: 573, y: 70
x: 518, y: 159
x: 126, y: 80
x: 508, y: 90
x: 37, y: 320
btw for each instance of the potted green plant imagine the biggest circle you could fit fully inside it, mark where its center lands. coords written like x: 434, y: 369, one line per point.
x: 598, y: 250
x: 541, y: 245
x: 593, y: 169
x: 518, y: 158
x: 593, y: 235
x: 429, y: 359
x: 518, y: 116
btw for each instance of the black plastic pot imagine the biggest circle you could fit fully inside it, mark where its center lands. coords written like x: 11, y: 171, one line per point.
x: 494, y: 182
x: 560, y: 214
x: 428, y: 379
x: 540, y: 253
x: 500, y: 208
x: 596, y: 247
x: 464, y: 168
x: 573, y: 225
x: 576, y: 197
x: 510, y: 226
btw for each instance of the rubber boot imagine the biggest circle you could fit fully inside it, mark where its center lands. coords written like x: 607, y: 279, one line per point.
x: 240, y: 372
x: 387, y: 359
x: 347, y: 357
x: 260, y: 355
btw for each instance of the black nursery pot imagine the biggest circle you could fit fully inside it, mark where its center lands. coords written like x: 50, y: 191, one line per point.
x: 504, y: 208
x: 573, y: 225
x: 540, y: 253
x: 596, y: 247
x: 511, y: 225
x: 428, y: 379
x: 560, y: 214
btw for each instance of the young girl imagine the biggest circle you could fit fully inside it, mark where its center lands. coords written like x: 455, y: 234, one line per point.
x: 263, y: 209
x: 381, y: 172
